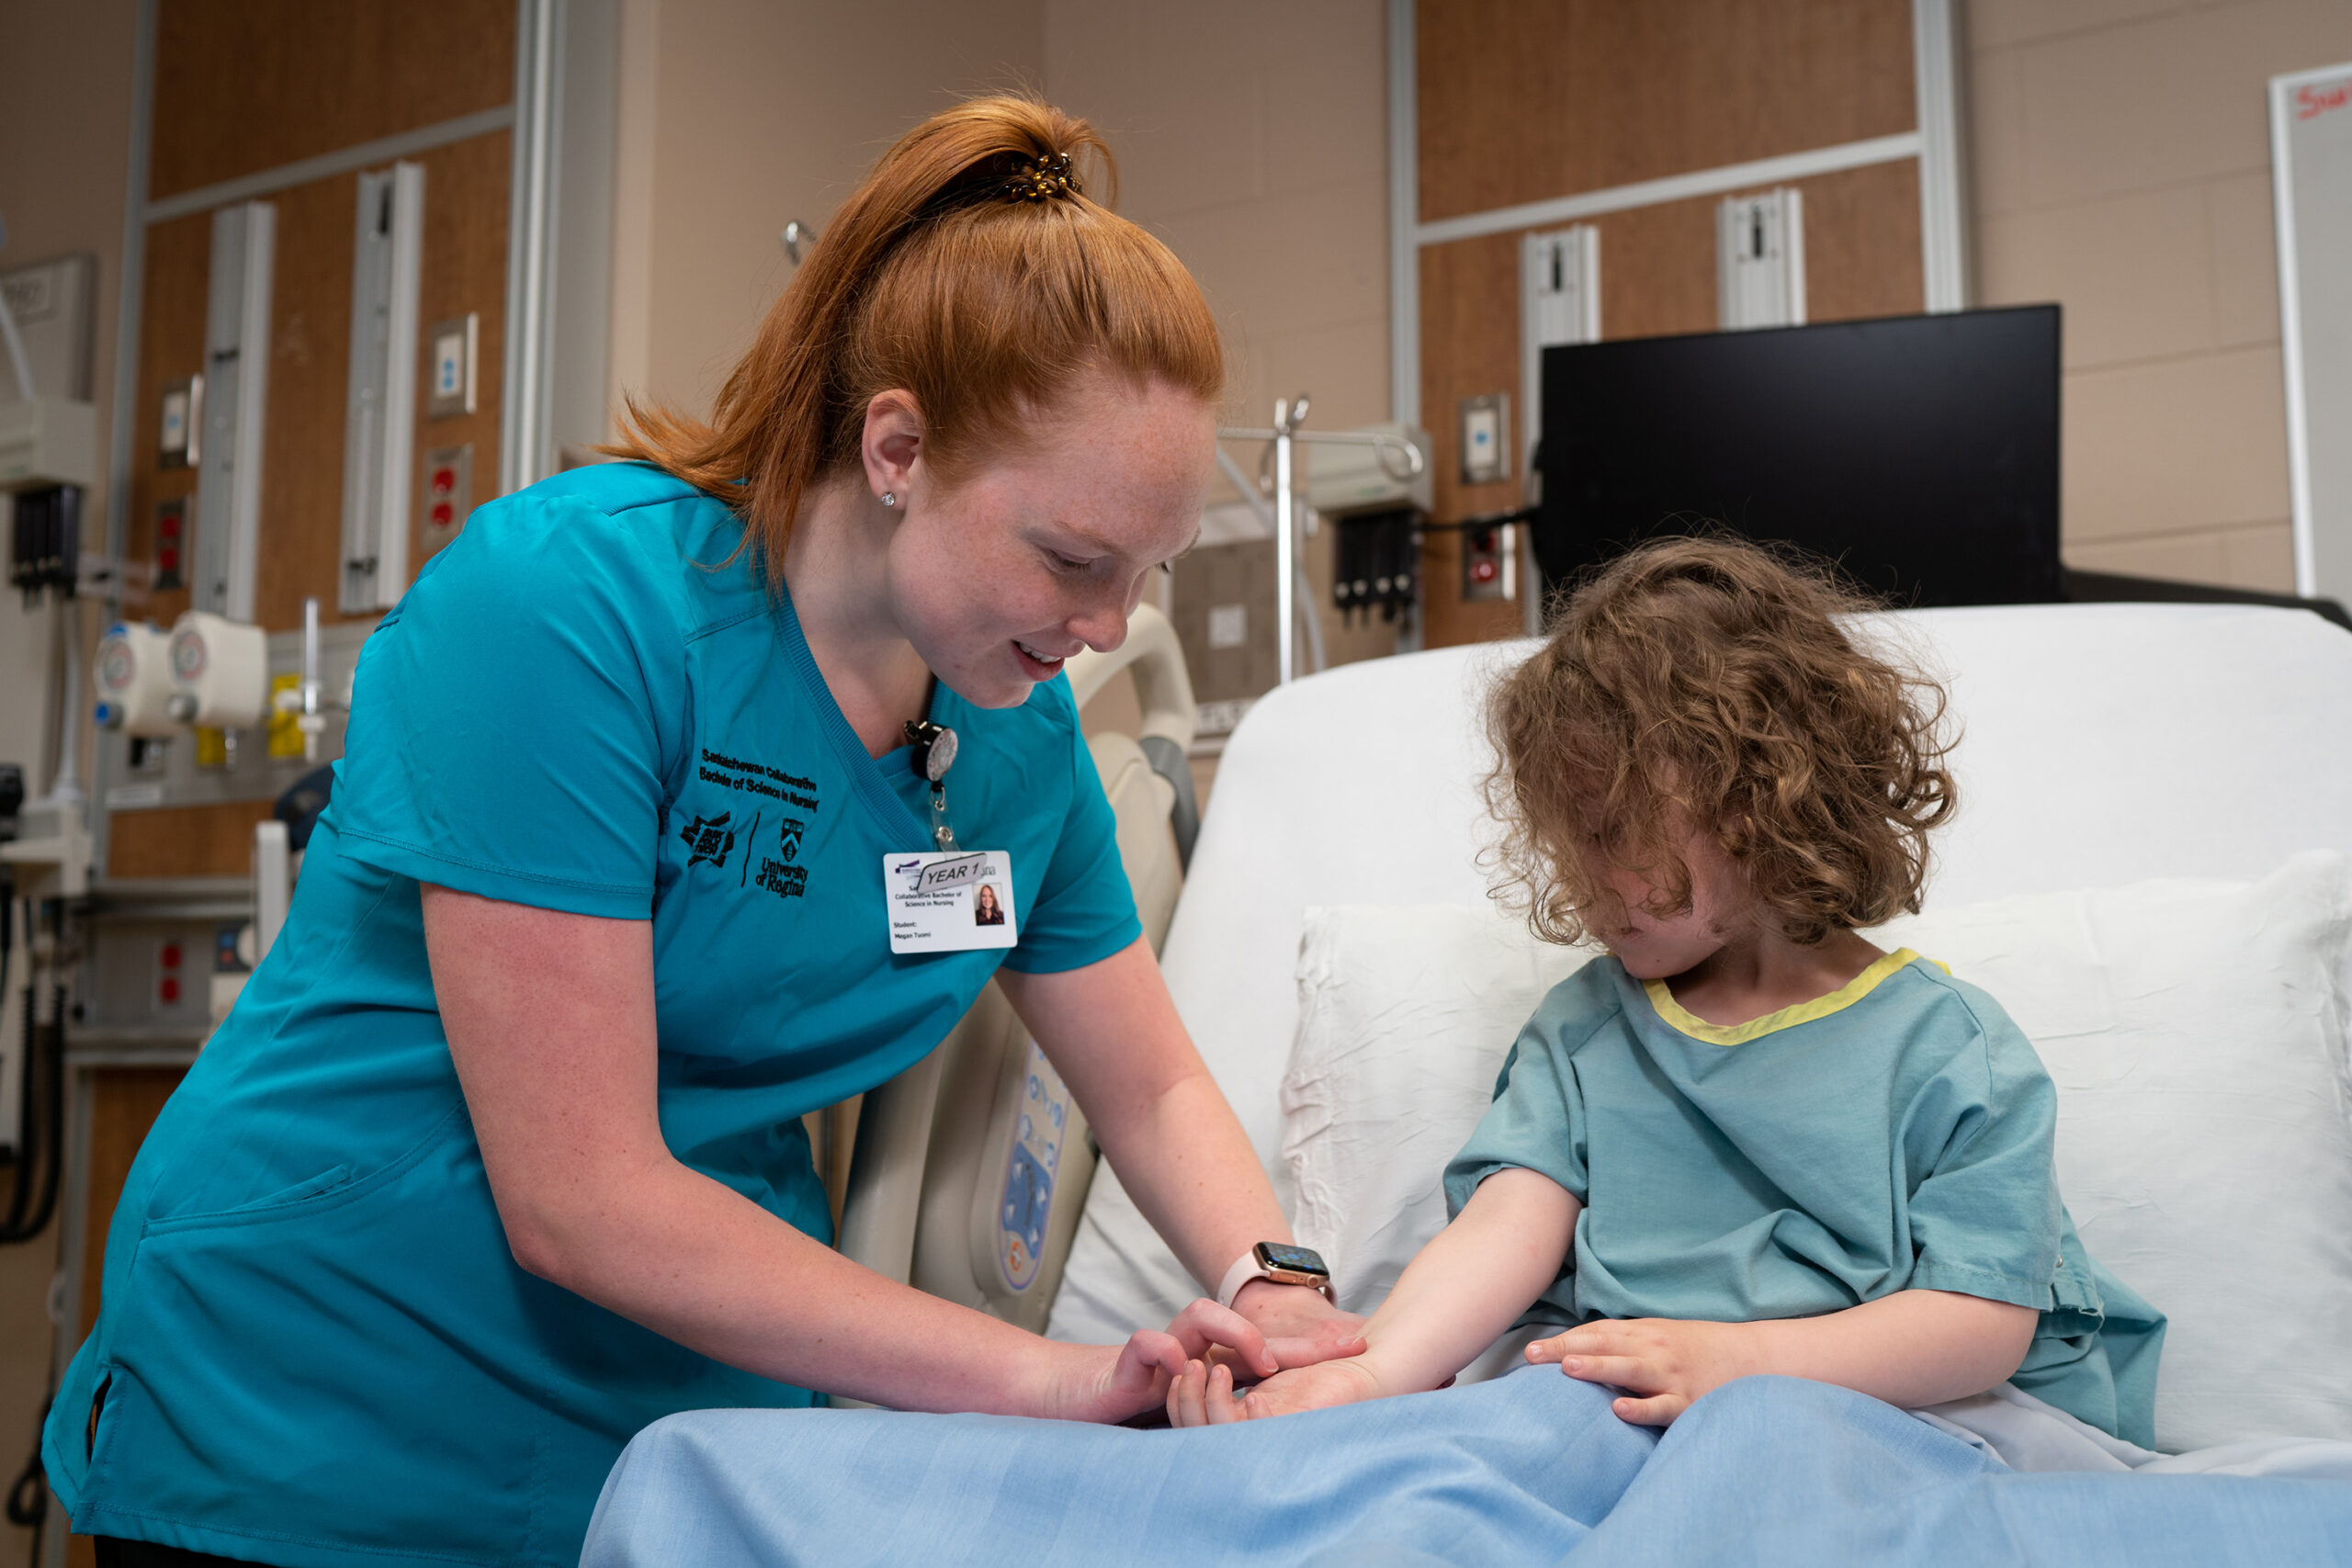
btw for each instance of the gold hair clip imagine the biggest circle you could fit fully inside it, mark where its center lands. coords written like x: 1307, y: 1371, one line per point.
x: 1041, y: 179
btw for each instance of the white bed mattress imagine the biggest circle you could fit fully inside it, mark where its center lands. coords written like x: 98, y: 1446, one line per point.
x: 2103, y: 744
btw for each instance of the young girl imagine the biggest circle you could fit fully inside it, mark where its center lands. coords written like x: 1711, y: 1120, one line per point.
x: 1745, y: 1141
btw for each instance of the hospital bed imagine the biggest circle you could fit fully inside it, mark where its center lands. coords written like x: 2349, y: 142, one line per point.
x: 2178, y: 752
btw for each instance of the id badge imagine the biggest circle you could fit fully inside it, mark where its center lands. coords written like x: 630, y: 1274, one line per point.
x: 953, y: 902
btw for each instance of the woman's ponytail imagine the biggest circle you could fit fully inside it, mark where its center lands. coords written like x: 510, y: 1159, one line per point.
x: 973, y: 268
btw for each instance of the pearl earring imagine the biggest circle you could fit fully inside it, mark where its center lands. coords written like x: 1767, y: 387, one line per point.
x: 889, y: 498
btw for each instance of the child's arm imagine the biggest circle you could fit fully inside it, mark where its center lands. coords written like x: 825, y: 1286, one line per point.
x: 1454, y: 1299
x: 1910, y: 1348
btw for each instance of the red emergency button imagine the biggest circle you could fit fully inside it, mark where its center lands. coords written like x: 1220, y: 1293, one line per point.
x: 171, y: 955
x: 444, y: 480
x: 170, y: 989
x: 1482, y: 571
x: 443, y: 514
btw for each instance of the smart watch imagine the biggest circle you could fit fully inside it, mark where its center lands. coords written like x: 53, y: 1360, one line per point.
x: 1280, y: 1262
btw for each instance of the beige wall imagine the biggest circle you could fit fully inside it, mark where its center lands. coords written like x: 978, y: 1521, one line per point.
x: 1253, y: 139
x: 1253, y: 142
x: 2121, y: 166
x: 64, y: 148
x: 737, y: 115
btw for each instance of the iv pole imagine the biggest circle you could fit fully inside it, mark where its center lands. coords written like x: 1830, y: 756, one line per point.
x: 1290, y: 413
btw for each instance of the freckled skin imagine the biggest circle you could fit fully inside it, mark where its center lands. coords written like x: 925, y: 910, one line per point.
x: 1050, y: 546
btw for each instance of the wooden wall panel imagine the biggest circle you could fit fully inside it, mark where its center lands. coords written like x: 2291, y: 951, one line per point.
x: 124, y: 1103
x: 1523, y: 100
x: 1658, y: 269
x: 465, y: 269
x: 242, y: 86
x: 1469, y: 346
x: 171, y: 346
x: 1658, y: 278
x: 310, y: 379
x: 1862, y: 251
x: 185, y: 841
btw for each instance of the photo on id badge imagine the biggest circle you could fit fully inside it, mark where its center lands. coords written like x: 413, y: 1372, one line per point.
x: 950, y: 902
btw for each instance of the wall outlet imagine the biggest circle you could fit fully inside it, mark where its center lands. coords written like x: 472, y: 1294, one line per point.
x: 1485, y: 439
x: 450, y: 391
x: 1488, y: 562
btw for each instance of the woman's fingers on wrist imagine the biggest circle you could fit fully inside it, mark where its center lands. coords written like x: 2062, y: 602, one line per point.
x: 1148, y: 1356
x: 1204, y: 1325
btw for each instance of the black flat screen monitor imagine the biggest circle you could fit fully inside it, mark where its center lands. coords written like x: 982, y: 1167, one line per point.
x: 1920, y: 453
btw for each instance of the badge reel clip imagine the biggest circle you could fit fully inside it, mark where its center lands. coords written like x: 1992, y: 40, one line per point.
x: 935, y: 753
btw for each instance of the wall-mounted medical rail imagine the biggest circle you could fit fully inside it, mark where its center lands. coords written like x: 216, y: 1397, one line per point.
x: 1289, y: 414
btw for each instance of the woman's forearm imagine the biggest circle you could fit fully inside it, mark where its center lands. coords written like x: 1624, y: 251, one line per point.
x: 1192, y: 1174
x: 696, y: 1262
x: 551, y: 1029
x: 1911, y: 1349
x: 1472, y: 1281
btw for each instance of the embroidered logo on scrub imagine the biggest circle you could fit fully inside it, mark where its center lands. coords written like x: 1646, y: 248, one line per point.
x: 771, y: 864
x: 711, y: 840
x: 785, y: 877
x: 756, y: 778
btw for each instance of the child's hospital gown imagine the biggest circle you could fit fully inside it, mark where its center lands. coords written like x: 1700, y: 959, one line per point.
x: 1893, y: 1135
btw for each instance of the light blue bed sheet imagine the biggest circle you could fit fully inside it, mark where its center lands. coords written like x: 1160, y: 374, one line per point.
x: 1531, y: 1468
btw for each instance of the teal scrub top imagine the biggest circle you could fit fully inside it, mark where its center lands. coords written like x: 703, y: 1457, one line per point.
x: 316, y: 1347
x: 1893, y: 1135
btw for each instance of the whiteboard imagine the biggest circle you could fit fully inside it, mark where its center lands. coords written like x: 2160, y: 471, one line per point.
x: 2311, y: 156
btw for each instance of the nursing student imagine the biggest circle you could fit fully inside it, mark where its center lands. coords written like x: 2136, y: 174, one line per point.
x: 499, y: 1158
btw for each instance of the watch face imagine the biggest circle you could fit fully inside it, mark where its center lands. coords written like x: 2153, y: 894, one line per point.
x: 1279, y: 1255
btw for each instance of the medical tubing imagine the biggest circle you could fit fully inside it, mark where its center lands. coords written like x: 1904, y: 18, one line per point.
x: 38, y: 1142
x: 28, y: 1502
x: 25, y: 1038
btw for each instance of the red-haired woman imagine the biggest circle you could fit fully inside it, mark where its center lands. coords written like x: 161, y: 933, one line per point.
x: 499, y: 1158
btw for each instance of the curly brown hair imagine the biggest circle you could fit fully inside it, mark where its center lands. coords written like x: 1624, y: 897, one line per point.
x: 1706, y: 683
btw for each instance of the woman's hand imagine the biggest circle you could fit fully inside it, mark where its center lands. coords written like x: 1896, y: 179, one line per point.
x: 1203, y: 1395
x: 1301, y: 1325
x: 1098, y: 1383
x: 1664, y: 1364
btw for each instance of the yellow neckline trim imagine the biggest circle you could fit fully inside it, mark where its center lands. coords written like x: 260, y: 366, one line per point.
x: 1682, y: 1018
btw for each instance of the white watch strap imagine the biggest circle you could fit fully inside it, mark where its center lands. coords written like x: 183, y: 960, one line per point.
x: 1245, y: 1269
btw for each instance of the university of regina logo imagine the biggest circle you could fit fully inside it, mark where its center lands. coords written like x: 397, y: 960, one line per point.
x: 710, y: 839
x: 784, y: 876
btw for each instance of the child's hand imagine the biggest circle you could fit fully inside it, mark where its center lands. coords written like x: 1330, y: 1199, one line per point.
x: 1202, y: 1396
x: 1663, y: 1363
x: 1097, y: 1382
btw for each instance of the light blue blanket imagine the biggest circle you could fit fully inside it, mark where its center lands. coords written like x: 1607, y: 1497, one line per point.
x: 1528, y: 1469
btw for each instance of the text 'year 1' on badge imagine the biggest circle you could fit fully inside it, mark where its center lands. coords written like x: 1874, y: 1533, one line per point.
x: 949, y: 903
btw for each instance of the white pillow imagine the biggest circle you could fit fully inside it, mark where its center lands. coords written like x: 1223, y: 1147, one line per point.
x: 2195, y: 1032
